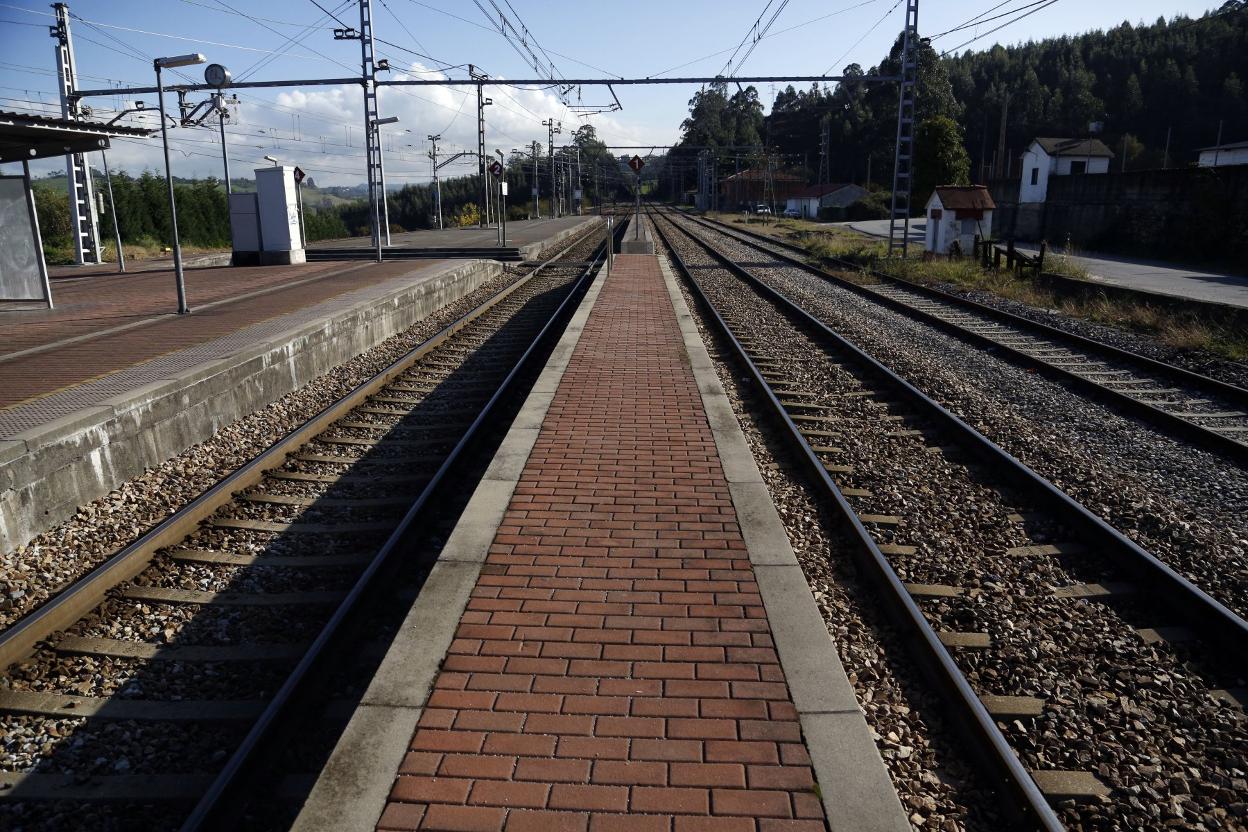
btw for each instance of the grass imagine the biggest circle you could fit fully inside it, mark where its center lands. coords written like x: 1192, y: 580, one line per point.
x: 827, y: 243
x: 145, y: 249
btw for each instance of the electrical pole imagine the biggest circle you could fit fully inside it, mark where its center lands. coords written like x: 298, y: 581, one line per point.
x: 579, y: 185
x: 85, y: 227
x: 1005, y: 116
x: 903, y: 158
x: 552, y: 127
x: 219, y: 101
x: 368, y: 80
x: 437, y: 183
x: 537, y: 207
x: 485, y: 186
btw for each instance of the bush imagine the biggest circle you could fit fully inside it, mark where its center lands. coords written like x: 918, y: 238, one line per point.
x: 873, y: 206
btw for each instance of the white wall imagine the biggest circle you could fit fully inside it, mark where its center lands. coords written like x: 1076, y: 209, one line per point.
x: 941, y: 233
x: 1035, y: 158
x: 1238, y: 156
x: 1096, y: 164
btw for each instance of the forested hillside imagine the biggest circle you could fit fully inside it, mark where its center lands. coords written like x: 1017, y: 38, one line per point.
x: 1128, y: 79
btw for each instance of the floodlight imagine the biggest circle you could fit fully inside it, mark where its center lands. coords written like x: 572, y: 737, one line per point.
x: 180, y: 60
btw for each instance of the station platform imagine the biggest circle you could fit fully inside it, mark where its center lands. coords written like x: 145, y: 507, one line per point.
x: 617, y: 634
x: 113, y: 381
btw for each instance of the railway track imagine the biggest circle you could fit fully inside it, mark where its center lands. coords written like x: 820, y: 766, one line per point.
x: 1207, y: 412
x: 155, y: 682
x: 1023, y: 608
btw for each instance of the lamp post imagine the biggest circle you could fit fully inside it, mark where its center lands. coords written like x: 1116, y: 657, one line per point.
x: 158, y: 65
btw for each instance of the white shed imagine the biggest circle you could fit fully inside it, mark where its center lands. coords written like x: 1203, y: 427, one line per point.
x: 1235, y: 153
x: 958, y: 212
x: 1059, y: 157
x: 808, y: 201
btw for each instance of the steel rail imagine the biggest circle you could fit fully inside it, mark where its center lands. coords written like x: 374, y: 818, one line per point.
x: 19, y: 639
x: 1179, y: 426
x: 217, y: 806
x: 997, y: 759
x: 1220, y: 624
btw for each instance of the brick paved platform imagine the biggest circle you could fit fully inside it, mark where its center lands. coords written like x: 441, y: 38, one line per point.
x: 613, y: 667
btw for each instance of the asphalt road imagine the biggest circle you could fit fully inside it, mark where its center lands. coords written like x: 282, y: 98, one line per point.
x: 1147, y: 275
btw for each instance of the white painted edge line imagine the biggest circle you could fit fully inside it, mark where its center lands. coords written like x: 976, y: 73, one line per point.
x: 854, y: 784
x: 351, y: 791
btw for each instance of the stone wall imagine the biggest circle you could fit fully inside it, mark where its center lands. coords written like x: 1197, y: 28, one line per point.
x: 1190, y: 214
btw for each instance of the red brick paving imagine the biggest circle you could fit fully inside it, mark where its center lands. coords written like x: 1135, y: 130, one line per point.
x: 95, y: 304
x: 614, y: 669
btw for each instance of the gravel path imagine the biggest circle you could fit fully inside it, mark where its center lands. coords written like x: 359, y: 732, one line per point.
x: 1139, y: 716
x: 1185, y: 505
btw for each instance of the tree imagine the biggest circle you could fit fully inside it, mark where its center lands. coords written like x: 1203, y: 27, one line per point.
x: 939, y: 157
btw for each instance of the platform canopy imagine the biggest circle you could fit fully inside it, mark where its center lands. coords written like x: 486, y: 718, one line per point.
x: 24, y: 136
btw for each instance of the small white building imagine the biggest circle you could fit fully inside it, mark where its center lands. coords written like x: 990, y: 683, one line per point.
x: 808, y: 201
x: 1222, y: 155
x: 1059, y: 157
x: 958, y: 212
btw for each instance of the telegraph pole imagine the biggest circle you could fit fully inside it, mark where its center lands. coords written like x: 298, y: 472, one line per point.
x: 86, y: 229
x: 437, y: 183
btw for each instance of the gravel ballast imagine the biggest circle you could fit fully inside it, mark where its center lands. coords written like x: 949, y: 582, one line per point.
x: 1138, y: 716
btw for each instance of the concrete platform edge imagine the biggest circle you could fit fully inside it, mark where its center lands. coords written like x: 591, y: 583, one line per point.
x: 79, y: 457
x: 854, y: 784
x: 532, y: 251
x: 350, y: 793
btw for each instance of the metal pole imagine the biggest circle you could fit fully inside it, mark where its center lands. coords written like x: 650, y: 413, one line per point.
x: 303, y: 234
x: 537, y: 206
x: 498, y: 200
x: 385, y: 205
x: 112, y: 207
x: 183, y: 309
x: 34, y: 224
x: 1166, y: 160
x: 485, y: 185
x: 225, y: 156
x: 610, y: 245
x: 580, y: 200
x: 637, y: 231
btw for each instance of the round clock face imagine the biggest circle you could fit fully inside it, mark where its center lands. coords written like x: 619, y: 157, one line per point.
x: 216, y: 75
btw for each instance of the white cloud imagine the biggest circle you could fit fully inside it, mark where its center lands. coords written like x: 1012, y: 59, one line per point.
x: 321, y: 129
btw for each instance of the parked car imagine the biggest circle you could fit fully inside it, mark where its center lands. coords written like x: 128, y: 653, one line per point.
x: 792, y: 214
x: 762, y: 209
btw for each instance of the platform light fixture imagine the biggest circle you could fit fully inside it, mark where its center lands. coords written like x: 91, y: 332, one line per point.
x: 172, y: 63
x: 381, y: 164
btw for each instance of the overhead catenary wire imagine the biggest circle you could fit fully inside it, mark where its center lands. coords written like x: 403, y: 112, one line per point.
x: 1046, y: 4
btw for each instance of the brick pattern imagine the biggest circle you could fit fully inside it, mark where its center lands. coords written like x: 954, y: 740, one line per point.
x: 614, y: 669
x: 90, y: 305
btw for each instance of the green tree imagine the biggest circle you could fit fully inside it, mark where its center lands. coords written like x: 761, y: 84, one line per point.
x: 939, y: 157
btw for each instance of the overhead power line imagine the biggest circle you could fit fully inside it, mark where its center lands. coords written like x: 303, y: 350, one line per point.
x: 1010, y: 22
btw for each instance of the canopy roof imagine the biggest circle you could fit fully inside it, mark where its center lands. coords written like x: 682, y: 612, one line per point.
x: 27, y: 136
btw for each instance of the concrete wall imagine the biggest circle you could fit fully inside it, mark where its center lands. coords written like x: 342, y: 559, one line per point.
x: 46, y: 473
x: 1210, y: 158
x: 1194, y: 214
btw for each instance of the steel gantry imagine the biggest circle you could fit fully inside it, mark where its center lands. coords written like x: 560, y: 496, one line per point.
x: 903, y: 166
x: 903, y: 150
x: 372, y: 133
x: 85, y: 227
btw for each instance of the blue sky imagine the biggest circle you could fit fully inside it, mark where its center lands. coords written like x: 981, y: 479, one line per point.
x: 319, y: 127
